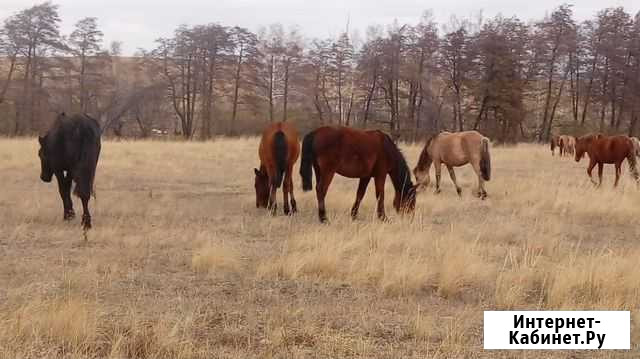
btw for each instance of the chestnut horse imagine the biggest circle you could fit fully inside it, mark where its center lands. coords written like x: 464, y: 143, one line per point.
x: 455, y: 150
x: 279, y: 150
x: 606, y: 149
x: 356, y: 154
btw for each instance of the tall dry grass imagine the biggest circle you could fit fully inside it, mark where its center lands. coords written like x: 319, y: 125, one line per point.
x: 181, y: 263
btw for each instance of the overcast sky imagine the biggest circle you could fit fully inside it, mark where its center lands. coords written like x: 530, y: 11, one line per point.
x: 137, y: 23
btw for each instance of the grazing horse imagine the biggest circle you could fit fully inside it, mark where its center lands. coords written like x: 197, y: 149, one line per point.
x: 356, y: 154
x: 70, y: 151
x: 606, y: 149
x: 455, y: 150
x: 555, y: 142
x: 636, y: 145
x: 279, y: 150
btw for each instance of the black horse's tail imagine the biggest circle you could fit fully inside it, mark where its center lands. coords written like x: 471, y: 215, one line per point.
x: 280, y: 149
x: 485, y: 160
x: 89, y: 144
x: 306, y: 165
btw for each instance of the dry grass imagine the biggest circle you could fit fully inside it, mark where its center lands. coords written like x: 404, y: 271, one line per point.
x: 181, y: 263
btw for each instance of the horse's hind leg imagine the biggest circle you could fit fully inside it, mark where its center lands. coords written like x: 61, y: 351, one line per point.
x: 438, y: 169
x: 481, y: 193
x: 452, y: 174
x: 288, y: 187
x: 322, y: 186
x: 362, y: 189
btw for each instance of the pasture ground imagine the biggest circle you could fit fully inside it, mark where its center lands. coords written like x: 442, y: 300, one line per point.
x: 181, y: 264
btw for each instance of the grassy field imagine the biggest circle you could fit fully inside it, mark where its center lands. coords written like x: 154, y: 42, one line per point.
x: 181, y: 264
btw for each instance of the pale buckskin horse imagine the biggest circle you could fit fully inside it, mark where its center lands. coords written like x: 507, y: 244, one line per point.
x: 455, y: 150
x: 567, y: 145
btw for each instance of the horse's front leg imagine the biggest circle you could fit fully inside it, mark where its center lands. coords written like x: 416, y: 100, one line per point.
x: 64, y: 187
x: 452, y: 174
x: 379, y: 182
x: 438, y: 170
x: 362, y: 189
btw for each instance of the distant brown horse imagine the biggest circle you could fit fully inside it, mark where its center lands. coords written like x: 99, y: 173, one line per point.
x: 356, y: 154
x: 606, y: 149
x: 455, y: 150
x: 555, y: 142
x: 279, y: 150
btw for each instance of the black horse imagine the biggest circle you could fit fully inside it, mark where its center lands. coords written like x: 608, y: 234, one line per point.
x: 70, y: 150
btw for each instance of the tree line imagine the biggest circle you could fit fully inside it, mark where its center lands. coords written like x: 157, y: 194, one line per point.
x: 510, y: 79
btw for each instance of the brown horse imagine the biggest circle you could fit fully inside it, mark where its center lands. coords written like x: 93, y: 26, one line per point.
x: 555, y: 142
x: 356, y: 154
x: 606, y: 149
x: 279, y: 150
x: 455, y: 150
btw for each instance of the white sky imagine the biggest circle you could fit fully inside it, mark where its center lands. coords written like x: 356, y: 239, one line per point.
x: 137, y: 23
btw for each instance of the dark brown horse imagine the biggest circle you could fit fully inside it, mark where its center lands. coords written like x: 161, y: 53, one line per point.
x: 70, y: 151
x: 356, y: 154
x: 279, y: 150
x: 606, y: 149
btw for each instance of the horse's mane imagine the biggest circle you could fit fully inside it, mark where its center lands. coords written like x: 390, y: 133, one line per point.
x: 402, y: 179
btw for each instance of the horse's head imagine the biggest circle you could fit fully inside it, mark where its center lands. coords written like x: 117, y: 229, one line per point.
x: 405, y: 202
x: 581, y: 145
x: 46, y: 172
x: 262, y: 188
x: 421, y: 171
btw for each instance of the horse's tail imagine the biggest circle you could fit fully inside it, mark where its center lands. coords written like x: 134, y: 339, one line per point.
x: 280, y: 148
x: 85, y: 172
x: 633, y: 167
x: 306, y: 164
x: 485, y: 160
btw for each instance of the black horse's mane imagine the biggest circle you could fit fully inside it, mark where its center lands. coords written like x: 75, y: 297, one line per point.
x: 401, y: 177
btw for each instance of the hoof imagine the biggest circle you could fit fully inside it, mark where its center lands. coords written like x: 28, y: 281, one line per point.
x: 437, y: 191
x: 459, y: 190
x: 69, y: 215
x: 86, y: 222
